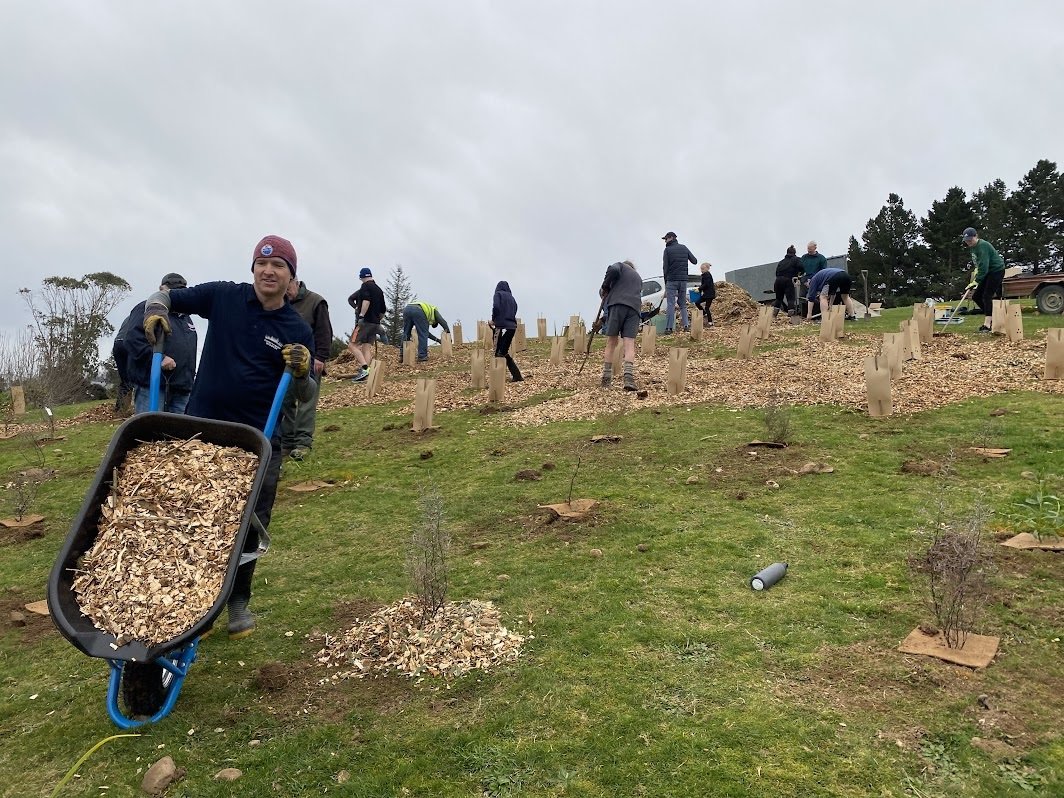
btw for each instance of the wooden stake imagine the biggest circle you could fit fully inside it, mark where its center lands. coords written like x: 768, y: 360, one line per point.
x: 424, y: 404
x: 497, y: 380
x: 747, y: 337
x: 1054, y: 354
x: 1014, y: 323
x: 877, y: 386
x: 375, y: 378
x: 557, y: 350
x: 649, y: 341
x: 476, y: 368
x: 697, y: 325
x: 677, y: 371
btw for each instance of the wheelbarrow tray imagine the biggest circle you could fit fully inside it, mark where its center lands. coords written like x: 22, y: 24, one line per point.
x: 72, y: 623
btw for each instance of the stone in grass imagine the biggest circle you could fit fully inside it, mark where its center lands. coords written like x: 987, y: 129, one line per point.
x: 160, y: 776
x: 692, y: 480
x: 595, y: 553
x: 642, y: 547
x: 228, y: 774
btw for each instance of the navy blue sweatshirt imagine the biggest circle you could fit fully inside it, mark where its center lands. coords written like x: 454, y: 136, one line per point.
x: 241, y: 362
x: 180, y: 345
x: 504, y: 307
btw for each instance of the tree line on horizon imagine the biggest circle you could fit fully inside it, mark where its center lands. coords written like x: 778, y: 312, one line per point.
x: 910, y: 259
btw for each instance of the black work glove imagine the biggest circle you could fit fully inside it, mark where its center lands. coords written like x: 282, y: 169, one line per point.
x: 155, y: 316
x: 297, y: 358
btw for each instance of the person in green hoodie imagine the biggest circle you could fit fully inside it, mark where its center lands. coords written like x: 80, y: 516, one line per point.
x: 988, y: 274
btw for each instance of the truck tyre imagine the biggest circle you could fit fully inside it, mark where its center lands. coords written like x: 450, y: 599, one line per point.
x: 1050, y: 299
x: 143, y: 688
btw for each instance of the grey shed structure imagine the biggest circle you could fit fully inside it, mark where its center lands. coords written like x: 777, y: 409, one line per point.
x: 757, y: 280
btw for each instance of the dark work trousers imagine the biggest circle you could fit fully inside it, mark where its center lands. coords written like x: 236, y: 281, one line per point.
x: 263, y: 509
x: 703, y: 304
x: 785, y: 298
x: 503, y: 339
x: 988, y: 289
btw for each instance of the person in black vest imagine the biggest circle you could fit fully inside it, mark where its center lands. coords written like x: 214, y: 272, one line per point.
x: 786, y: 270
x: 298, y: 416
x: 179, y: 357
x: 504, y: 322
x: 674, y: 262
x: 707, y: 292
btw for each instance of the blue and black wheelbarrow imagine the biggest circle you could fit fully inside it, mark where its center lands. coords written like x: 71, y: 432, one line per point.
x: 149, y: 678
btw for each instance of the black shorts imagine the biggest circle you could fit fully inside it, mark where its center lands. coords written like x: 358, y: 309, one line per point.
x: 367, y: 333
x: 623, y: 321
x: 837, y: 284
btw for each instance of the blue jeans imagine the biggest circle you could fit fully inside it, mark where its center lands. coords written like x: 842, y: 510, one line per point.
x: 174, y: 403
x: 675, y: 293
x: 414, y: 318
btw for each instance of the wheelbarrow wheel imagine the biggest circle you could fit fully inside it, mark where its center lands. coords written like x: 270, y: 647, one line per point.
x: 144, y: 688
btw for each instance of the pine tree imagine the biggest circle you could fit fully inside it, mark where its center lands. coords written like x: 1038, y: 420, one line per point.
x: 397, y: 295
x: 997, y: 219
x: 1037, y: 208
x: 949, y: 262
x: 893, y: 255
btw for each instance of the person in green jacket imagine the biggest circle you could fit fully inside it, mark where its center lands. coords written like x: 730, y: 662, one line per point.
x: 988, y: 274
x: 812, y: 261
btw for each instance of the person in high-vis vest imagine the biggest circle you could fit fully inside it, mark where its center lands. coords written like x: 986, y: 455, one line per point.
x: 420, y: 316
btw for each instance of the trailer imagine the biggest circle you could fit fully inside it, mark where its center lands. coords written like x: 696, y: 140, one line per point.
x: 1047, y: 289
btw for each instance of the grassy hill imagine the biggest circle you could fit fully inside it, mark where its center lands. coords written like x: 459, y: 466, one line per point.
x: 649, y: 667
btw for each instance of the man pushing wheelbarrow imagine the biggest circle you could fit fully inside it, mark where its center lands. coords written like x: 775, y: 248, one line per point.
x: 255, y: 340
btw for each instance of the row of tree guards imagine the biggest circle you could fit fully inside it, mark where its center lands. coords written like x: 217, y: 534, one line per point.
x: 899, y: 348
x: 896, y: 350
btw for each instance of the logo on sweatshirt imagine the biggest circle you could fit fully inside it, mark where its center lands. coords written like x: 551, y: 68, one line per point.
x: 273, y: 342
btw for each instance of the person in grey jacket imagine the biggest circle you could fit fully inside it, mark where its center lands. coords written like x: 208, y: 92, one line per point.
x: 620, y: 299
x: 674, y: 262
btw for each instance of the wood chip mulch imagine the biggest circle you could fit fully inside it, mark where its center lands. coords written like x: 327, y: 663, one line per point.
x: 792, y: 367
x: 164, y: 539
x: 461, y: 637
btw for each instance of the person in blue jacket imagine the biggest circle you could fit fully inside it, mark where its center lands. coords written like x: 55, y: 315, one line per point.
x: 253, y: 335
x: 179, y: 357
x: 504, y: 322
x: 824, y: 286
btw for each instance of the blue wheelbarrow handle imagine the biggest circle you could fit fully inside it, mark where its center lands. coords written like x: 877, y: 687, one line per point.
x: 278, y: 400
x: 156, y: 371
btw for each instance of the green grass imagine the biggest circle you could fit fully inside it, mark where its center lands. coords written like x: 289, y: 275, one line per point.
x: 654, y: 673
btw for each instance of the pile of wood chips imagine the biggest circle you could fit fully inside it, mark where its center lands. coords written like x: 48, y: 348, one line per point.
x: 164, y: 539
x: 461, y: 637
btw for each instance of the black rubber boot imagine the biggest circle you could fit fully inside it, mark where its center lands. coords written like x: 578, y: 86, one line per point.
x: 241, y: 619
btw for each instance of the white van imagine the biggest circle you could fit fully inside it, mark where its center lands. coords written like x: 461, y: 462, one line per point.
x: 653, y: 290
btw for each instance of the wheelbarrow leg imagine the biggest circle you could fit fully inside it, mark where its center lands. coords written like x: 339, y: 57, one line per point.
x: 175, y: 667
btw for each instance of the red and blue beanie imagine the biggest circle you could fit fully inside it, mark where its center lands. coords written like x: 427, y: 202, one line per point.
x: 275, y: 247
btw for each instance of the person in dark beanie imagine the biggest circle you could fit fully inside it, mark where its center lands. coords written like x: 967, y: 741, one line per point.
x: 786, y: 270
x: 988, y: 275
x: 504, y: 322
x: 674, y: 262
x: 707, y: 292
x: 179, y: 357
x: 298, y: 417
x: 620, y: 294
x: 253, y: 336
x: 370, y: 307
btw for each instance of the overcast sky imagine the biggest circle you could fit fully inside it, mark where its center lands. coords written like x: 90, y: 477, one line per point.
x: 535, y: 142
